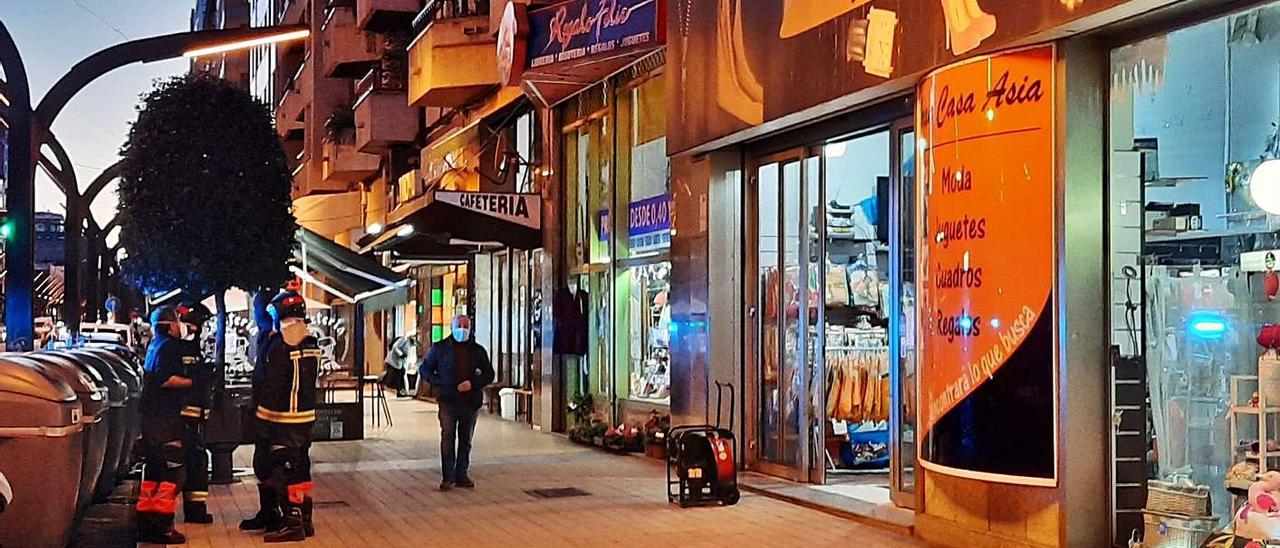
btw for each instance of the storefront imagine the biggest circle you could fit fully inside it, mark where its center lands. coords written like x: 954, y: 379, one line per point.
x: 991, y: 267
x: 602, y: 97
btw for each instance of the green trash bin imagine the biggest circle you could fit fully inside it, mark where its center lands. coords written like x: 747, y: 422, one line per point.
x: 94, y: 403
x: 41, y: 453
x: 117, y: 418
x: 124, y: 361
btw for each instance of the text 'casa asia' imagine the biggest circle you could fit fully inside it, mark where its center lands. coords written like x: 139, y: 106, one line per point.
x: 1003, y: 93
x: 609, y: 14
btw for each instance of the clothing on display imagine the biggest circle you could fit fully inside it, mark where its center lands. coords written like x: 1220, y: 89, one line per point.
x: 650, y: 319
x: 571, y: 317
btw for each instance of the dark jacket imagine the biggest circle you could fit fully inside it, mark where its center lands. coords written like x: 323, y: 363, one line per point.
x: 449, y: 362
x: 286, y: 393
x: 166, y: 357
x: 200, y: 394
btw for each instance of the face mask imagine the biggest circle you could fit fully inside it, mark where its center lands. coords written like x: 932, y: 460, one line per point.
x: 293, y: 330
x: 460, y: 334
x: 186, y: 331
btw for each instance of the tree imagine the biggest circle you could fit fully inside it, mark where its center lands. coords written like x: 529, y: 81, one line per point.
x: 205, y: 194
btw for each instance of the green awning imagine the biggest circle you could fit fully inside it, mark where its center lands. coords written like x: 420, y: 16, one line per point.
x: 348, y: 275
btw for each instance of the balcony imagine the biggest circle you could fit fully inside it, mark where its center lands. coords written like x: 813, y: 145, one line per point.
x: 308, y: 181
x: 385, y: 15
x: 344, y: 163
x: 454, y: 59
x: 348, y: 51
x: 291, y: 111
x: 383, y: 115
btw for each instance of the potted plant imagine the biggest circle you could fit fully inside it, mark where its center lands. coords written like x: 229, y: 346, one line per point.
x: 655, y: 435
x: 340, y: 126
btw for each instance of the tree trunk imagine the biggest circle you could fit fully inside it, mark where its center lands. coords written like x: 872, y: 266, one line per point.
x: 220, y: 333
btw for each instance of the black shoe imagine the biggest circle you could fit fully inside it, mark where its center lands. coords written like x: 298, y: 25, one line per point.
x: 465, y: 483
x: 307, y: 524
x: 291, y: 529
x: 268, y: 516
x: 161, y: 537
x: 196, y: 512
x: 446, y: 485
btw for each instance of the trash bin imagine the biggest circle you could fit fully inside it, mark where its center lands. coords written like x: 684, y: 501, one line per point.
x: 131, y: 374
x: 117, y: 419
x: 91, y: 390
x: 508, y: 398
x: 41, y: 452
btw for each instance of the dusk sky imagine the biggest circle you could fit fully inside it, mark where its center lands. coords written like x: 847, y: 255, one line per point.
x: 53, y: 35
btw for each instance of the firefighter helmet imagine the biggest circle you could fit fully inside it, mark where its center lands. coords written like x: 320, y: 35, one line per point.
x: 288, y: 304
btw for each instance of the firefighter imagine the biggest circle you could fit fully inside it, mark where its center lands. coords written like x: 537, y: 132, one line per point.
x: 286, y: 410
x: 268, y: 516
x: 165, y: 390
x: 195, y: 414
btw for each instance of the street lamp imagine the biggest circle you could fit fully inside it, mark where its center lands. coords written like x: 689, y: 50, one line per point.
x: 29, y: 129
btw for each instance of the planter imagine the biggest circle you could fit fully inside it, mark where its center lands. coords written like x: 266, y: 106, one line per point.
x: 655, y: 450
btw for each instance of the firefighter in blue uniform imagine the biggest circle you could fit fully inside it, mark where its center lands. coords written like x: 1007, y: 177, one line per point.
x: 165, y: 390
x: 194, y: 416
x: 286, y: 409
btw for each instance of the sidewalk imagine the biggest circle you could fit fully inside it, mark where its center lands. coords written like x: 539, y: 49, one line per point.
x: 382, y: 492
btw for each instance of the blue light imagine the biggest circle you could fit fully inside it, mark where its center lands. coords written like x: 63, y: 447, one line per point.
x: 995, y: 323
x: 966, y: 322
x: 1207, y: 325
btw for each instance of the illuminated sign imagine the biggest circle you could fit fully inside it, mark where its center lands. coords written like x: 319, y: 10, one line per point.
x: 522, y: 209
x: 580, y: 29
x: 988, y: 381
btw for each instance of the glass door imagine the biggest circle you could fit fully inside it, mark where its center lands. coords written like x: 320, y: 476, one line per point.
x: 904, y: 315
x: 779, y: 320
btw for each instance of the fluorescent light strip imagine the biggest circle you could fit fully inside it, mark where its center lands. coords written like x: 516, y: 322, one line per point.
x: 243, y: 44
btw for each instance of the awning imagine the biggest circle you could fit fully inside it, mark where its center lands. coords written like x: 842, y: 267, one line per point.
x: 348, y: 275
x: 464, y: 219
x: 239, y: 300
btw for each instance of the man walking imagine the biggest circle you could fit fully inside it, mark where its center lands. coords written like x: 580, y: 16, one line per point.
x: 458, y: 369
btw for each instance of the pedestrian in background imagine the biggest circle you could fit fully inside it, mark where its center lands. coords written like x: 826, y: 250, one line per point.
x: 458, y: 369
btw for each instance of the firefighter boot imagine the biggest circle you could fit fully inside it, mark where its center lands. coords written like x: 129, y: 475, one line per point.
x: 291, y: 528
x: 156, y: 528
x: 268, y: 516
x: 196, y: 512
x: 307, y: 524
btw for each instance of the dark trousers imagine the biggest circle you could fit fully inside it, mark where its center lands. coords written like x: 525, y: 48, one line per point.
x: 196, y: 460
x: 163, y: 472
x: 289, y: 454
x: 457, y: 428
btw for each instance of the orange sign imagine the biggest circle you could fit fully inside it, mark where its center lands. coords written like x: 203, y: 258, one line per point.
x: 987, y: 249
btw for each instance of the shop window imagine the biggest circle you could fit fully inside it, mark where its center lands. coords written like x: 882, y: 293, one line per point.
x: 1194, y: 117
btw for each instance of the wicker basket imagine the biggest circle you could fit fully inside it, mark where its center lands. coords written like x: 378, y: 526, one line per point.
x: 1170, y: 531
x: 1171, y: 498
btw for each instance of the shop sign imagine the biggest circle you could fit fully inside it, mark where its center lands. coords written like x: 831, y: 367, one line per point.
x: 649, y: 223
x: 513, y: 42
x: 521, y: 209
x: 988, y: 376
x: 581, y: 29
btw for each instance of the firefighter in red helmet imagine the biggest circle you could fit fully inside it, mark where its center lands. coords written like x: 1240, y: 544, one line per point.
x: 286, y: 410
x: 194, y: 415
x: 166, y: 387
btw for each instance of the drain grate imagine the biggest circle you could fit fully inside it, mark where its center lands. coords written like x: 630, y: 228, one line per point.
x: 331, y: 504
x: 557, y: 493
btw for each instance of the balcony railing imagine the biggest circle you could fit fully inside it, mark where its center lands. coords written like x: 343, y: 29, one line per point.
x: 389, y: 75
x: 437, y: 10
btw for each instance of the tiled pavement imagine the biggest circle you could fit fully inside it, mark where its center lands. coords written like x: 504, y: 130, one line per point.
x: 382, y: 492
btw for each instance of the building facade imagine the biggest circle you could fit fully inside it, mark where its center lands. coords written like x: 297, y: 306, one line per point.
x: 929, y: 245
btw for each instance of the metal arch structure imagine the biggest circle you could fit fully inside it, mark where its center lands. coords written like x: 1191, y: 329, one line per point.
x: 20, y: 250
x: 30, y: 128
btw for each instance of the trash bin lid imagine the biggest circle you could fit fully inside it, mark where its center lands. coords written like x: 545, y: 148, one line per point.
x: 24, y: 380
x: 92, y: 395
x: 117, y: 389
x: 126, y: 369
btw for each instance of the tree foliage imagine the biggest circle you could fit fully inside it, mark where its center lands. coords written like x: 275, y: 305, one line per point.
x: 204, y: 191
